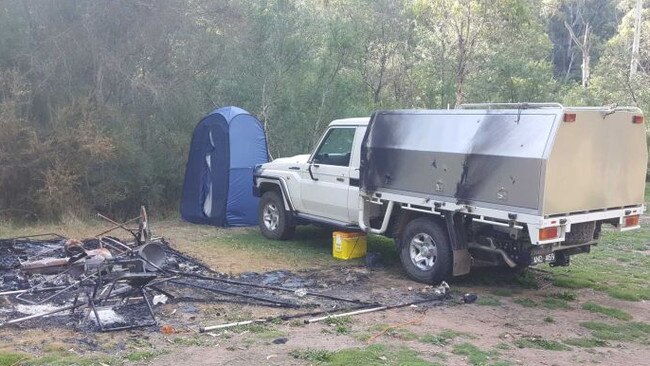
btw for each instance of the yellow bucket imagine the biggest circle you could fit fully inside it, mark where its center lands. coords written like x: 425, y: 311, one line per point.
x: 349, y: 245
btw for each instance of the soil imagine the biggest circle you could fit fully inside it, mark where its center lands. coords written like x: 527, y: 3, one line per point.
x: 484, y: 326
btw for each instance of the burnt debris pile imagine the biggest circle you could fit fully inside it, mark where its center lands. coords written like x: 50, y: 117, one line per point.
x: 106, y: 283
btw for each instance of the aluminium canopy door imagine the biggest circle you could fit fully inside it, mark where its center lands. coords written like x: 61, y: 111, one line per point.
x: 597, y: 161
x: 493, y: 158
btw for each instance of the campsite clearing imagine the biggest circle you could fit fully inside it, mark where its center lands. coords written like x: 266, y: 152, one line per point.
x: 526, y: 319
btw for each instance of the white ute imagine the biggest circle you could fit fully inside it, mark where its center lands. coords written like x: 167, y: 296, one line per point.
x: 488, y: 184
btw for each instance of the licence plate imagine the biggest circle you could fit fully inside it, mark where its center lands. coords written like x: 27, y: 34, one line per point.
x: 548, y: 258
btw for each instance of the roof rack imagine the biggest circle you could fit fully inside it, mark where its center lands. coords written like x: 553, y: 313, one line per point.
x: 510, y: 105
x: 606, y: 108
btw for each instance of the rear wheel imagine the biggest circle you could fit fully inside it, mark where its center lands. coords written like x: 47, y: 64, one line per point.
x: 274, y: 221
x: 425, y: 250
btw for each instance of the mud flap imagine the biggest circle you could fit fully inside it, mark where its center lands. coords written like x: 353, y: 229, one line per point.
x: 462, y: 258
x: 462, y: 262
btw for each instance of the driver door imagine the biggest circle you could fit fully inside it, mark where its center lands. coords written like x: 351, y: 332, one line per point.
x: 324, y: 191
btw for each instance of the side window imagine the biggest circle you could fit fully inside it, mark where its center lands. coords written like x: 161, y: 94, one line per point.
x: 336, y: 148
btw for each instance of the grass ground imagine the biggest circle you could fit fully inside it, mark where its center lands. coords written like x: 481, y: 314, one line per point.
x: 584, y: 300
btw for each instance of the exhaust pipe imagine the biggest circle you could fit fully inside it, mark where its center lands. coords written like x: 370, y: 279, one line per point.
x: 493, y: 249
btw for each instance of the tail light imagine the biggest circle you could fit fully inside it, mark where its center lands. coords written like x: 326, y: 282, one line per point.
x: 637, y: 120
x: 569, y: 117
x: 630, y: 221
x: 548, y: 233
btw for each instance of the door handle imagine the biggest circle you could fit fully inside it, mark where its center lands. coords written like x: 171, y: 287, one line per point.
x: 340, y: 179
x: 294, y: 168
x: 310, y: 172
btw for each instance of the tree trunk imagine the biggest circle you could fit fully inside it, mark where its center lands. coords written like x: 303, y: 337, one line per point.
x: 586, y: 57
x: 634, y: 63
x: 585, y: 47
x: 461, y: 69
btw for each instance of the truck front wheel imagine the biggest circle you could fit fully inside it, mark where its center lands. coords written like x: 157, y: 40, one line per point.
x: 274, y: 221
x: 425, y: 250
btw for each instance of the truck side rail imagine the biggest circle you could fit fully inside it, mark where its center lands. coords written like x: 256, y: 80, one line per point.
x: 496, y: 217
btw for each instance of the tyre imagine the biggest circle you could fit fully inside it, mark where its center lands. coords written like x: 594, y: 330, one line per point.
x: 274, y: 222
x: 425, y: 250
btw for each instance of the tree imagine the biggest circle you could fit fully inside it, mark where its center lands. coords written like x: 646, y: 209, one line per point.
x: 634, y: 62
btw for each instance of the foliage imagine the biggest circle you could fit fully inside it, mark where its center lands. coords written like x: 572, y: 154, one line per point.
x: 552, y: 303
x: 613, y: 312
x: 371, y: 355
x: 630, y: 331
x: 476, y: 356
x: 585, y: 342
x: 487, y: 300
x: 98, y: 99
x: 540, y: 343
x: 615, y: 267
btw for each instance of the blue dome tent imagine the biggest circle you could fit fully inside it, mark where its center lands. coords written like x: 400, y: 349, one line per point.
x: 226, y: 146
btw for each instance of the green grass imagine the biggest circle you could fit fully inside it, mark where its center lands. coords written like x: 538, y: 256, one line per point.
x: 374, y: 355
x: 191, y: 341
x: 399, y: 333
x: 525, y: 302
x: 503, y: 282
x: 11, y: 358
x: 441, y: 339
x: 549, y: 319
x: 311, y: 244
x: 141, y: 355
x: 612, y: 312
x: 487, y: 300
x: 627, y: 332
x: 314, y: 355
x: 343, y: 320
x: 553, y: 304
x: 564, y: 295
x: 503, y: 292
x: 477, y: 356
x: 69, y: 359
x: 585, y: 342
x: 540, y: 343
x: 527, y: 280
x: 615, y: 266
x: 339, y: 325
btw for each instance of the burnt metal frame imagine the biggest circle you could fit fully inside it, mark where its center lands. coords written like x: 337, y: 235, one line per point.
x: 138, y: 282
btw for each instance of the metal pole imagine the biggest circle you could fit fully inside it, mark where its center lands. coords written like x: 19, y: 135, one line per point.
x: 234, y: 293
x: 230, y: 325
x: 35, y: 316
x: 279, y: 317
x: 117, y: 225
x: 234, y: 282
x: 7, y: 293
x: 364, y: 311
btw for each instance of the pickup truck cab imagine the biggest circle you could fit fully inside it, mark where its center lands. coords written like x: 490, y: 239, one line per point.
x: 494, y: 184
x: 321, y: 187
